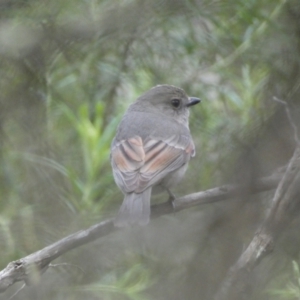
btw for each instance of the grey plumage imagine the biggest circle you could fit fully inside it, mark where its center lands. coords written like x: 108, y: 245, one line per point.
x: 151, y: 150
x: 135, y: 209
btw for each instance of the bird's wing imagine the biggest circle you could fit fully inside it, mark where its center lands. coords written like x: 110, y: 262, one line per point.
x: 138, y: 164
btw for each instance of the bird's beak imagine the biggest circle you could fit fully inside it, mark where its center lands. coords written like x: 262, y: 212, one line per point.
x: 193, y: 101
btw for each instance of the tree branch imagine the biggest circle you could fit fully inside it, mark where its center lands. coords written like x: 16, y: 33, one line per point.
x: 284, y: 205
x: 27, y: 268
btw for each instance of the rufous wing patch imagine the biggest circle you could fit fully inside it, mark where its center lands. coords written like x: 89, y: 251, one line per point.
x: 142, y: 163
x: 129, y: 154
x: 159, y: 158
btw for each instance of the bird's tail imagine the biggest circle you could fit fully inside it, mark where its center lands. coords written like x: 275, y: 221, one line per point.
x: 135, y: 209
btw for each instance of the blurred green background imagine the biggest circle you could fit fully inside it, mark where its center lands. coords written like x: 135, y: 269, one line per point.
x: 68, y: 71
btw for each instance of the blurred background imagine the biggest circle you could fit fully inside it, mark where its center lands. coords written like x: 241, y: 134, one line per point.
x: 68, y: 71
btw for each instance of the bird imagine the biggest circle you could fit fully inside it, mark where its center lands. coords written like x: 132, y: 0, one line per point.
x: 151, y: 150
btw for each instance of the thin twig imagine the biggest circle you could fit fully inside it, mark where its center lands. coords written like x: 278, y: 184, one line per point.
x: 17, y: 292
x: 66, y: 264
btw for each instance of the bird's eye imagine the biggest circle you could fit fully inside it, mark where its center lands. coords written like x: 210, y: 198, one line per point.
x: 175, y: 103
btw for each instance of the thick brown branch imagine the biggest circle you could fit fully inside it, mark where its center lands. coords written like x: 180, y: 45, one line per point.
x: 27, y: 267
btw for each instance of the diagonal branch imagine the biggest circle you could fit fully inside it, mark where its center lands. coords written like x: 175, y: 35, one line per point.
x: 284, y: 205
x: 26, y: 268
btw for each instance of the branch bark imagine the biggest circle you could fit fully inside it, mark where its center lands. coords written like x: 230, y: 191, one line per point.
x: 27, y: 268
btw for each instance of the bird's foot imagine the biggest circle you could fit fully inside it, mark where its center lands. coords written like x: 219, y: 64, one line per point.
x: 172, y: 197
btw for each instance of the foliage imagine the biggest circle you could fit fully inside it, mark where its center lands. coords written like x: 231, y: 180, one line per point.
x: 292, y: 289
x: 68, y: 70
x: 130, y: 285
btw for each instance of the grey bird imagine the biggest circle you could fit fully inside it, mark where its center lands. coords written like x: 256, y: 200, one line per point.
x: 151, y: 150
